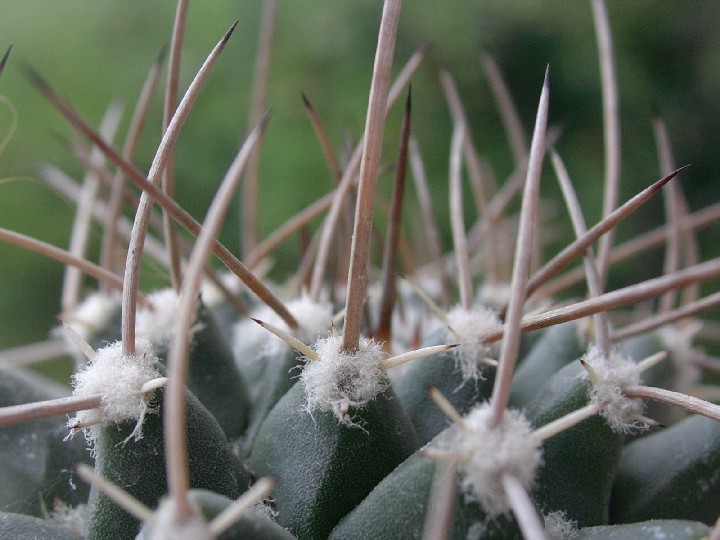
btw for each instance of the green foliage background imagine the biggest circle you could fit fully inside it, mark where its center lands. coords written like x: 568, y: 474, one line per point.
x: 98, y: 52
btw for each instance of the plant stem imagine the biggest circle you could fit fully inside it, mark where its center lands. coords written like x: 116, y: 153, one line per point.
x: 611, y: 127
x: 390, y: 254
x: 521, y: 268
x: 16, y: 414
x: 137, y: 238
x: 80, y: 233
x: 592, y: 275
x: 168, y: 183
x: 112, y: 214
x: 372, y: 147
x: 523, y: 508
x: 60, y: 255
x: 249, y: 232
x: 576, y: 248
x: 177, y: 362
x: 689, y: 403
x: 704, y: 304
x: 462, y: 260
x: 618, y: 298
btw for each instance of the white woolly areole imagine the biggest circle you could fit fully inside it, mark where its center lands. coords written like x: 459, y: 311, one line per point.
x: 558, y: 527
x: 119, y: 380
x: 167, y: 527
x: 495, y: 294
x: 159, y: 324
x: 471, y: 326
x: 412, y: 318
x: 70, y: 517
x: 492, y: 452
x: 313, y: 320
x: 615, y: 373
x: 678, y: 339
x: 92, y: 315
x: 338, y: 380
x: 212, y: 295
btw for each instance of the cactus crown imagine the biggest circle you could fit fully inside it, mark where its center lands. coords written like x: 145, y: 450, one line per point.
x: 489, y: 433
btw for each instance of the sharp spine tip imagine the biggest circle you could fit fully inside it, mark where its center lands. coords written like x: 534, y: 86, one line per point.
x: 33, y: 75
x: 265, y: 120
x: 227, y: 35
x: 426, y: 46
x: 655, y: 110
x: 306, y: 101
x: 162, y: 55
x: 4, y: 60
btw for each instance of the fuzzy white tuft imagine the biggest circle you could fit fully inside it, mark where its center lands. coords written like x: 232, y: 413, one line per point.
x: 557, y: 526
x: 212, y: 295
x: 70, y: 517
x: 249, y: 337
x: 119, y: 380
x: 412, y: 318
x: 678, y: 340
x: 494, y: 294
x: 167, y: 526
x: 92, y: 315
x: 265, y: 510
x: 313, y: 320
x: 615, y: 373
x: 477, y: 530
x: 158, y: 325
x: 493, y: 452
x: 471, y: 326
x: 338, y: 380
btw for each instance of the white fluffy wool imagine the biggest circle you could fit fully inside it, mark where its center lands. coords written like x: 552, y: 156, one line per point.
x: 338, y: 380
x: 471, y: 326
x: 92, y: 315
x: 557, y: 526
x: 166, y: 526
x: 494, y: 294
x: 119, y: 380
x: 212, y: 295
x: 70, y: 517
x: 412, y: 318
x: 313, y: 320
x: 508, y: 449
x: 613, y: 374
x: 158, y: 325
x: 678, y: 341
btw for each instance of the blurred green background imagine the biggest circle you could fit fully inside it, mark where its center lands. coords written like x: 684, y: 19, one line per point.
x: 97, y: 52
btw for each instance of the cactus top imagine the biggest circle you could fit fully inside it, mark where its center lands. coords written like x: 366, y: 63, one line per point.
x: 119, y: 380
x: 338, y: 380
x: 93, y: 314
x: 158, y: 324
x: 471, y: 326
x: 489, y: 453
x: 313, y: 320
x: 613, y: 374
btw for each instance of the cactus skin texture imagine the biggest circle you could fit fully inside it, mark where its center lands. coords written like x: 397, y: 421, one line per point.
x: 509, y: 428
x: 670, y: 473
x: 139, y: 467
x: 37, y: 462
x: 323, y: 468
x: 250, y: 526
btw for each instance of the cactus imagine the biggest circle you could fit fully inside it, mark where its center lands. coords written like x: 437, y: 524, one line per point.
x: 453, y: 403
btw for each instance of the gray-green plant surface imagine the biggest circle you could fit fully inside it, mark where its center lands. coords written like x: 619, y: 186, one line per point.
x: 474, y: 397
